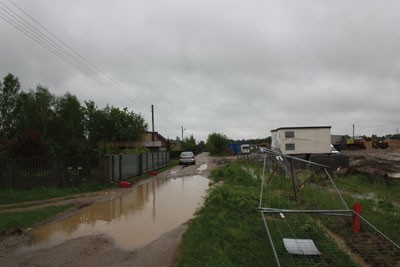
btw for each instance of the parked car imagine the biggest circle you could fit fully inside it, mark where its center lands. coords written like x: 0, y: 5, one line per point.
x: 187, y: 157
x: 333, y: 150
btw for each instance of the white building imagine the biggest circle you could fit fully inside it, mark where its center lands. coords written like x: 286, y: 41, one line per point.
x: 302, y: 140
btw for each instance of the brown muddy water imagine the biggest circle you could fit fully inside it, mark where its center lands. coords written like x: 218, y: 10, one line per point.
x: 132, y: 220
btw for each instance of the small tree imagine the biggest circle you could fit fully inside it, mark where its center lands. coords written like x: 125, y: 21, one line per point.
x: 9, y: 106
x: 217, y: 144
x: 189, y: 144
x: 37, y: 111
x: 67, y: 126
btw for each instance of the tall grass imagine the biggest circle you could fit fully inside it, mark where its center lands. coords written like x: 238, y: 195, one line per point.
x: 229, y: 231
x: 380, y: 202
x: 10, y: 196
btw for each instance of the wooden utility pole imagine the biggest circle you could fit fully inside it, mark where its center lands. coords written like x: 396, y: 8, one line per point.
x: 152, y: 123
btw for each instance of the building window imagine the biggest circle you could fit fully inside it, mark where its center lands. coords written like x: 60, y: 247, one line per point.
x: 289, y: 146
x: 289, y: 134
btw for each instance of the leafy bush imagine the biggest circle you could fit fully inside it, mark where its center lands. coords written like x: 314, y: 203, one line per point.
x: 217, y: 144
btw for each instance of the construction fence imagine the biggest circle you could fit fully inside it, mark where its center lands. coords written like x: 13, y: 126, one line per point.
x: 68, y: 172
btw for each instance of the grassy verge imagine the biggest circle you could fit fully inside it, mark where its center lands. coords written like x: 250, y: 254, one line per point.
x: 380, y: 202
x: 228, y: 230
x: 15, y: 220
x: 10, y: 196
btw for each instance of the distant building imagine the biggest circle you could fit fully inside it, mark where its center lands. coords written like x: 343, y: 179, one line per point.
x: 176, y: 145
x: 152, y: 141
x: 302, y: 140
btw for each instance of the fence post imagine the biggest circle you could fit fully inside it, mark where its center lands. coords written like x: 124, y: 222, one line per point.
x: 356, y: 218
x: 112, y: 168
x: 11, y: 169
x: 140, y: 163
x: 120, y: 167
x: 105, y: 163
x: 57, y: 170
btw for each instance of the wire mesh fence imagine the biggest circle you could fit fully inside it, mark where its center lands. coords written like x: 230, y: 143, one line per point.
x: 310, y: 222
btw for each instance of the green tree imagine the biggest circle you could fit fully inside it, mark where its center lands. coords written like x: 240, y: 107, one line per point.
x: 201, y: 146
x: 217, y: 144
x: 112, y: 124
x: 94, y: 124
x: 189, y: 144
x: 37, y: 110
x: 9, y: 106
x: 66, y: 129
x: 124, y: 125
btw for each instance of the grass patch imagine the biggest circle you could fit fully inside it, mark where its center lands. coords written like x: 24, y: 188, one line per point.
x: 10, y: 196
x: 25, y: 219
x: 229, y: 231
x: 380, y: 203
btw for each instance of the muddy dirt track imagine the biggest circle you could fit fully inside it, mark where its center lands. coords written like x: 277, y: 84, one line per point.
x: 100, y: 250
x: 375, y: 163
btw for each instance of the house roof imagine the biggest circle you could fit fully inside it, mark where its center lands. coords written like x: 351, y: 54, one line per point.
x: 301, y: 127
x: 158, y: 135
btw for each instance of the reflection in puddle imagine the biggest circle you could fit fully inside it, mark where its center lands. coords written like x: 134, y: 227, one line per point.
x: 133, y: 220
x: 174, y: 171
x: 202, y: 167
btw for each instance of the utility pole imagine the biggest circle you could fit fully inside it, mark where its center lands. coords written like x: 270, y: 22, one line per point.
x: 353, y: 130
x: 152, y: 123
x: 182, y: 134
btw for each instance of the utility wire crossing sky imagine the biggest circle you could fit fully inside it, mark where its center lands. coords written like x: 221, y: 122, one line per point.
x: 236, y: 68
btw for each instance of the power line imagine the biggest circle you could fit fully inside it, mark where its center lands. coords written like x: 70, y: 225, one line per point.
x: 378, y: 126
x: 52, y: 43
x: 16, y: 23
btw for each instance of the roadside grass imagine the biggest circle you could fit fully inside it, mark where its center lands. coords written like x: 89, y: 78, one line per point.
x: 229, y: 231
x: 11, y: 196
x: 25, y: 219
x: 380, y: 202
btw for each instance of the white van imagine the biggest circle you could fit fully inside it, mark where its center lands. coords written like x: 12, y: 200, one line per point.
x: 245, y: 149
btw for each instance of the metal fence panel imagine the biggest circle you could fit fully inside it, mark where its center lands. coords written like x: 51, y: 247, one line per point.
x: 76, y: 170
x: 30, y: 172
x: 130, y: 165
x: 150, y: 165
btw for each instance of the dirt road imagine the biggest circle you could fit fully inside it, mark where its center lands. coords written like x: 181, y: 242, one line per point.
x: 374, y: 163
x: 100, y: 250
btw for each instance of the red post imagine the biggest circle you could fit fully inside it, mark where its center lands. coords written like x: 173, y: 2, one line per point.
x: 356, y: 219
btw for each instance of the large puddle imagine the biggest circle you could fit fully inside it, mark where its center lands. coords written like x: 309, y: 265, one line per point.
x: 133, y: 220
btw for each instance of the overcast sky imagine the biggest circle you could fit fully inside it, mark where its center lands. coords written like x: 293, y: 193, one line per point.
x: 241, y: 68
